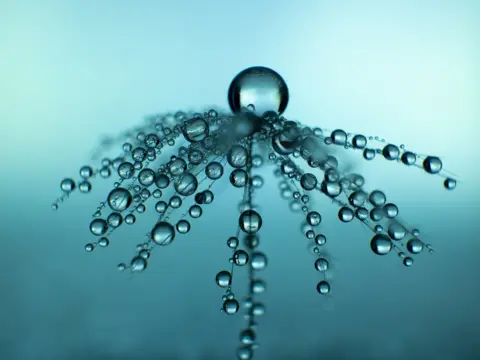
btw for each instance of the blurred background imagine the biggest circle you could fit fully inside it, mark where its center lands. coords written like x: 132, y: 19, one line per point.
x: 75, y: 71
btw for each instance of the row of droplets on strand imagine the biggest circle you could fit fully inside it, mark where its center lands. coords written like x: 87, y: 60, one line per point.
x: 391, y: 152
x: 250, y: 223
x: 370, y: 208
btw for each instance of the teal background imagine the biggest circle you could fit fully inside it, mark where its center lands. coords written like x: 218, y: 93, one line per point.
x: 73, y: 71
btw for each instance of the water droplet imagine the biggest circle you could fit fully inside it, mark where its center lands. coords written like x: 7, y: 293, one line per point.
x: 450, y: 184
x: 85, y: 187
x: 195, y: 130
x: 195, y: 211
x: 391, y: 210
x: 414, y: 246
x: 408, y: 158
x: 103, y: 242
x: 238, y: 178
x: 183, y: 226
x: 260, y: 86
x: 323, y: 287
x: 130, y: 219
x: 126, y: 170
x: 250, y: 221
x: 320, y: 239
x: 214, y: 170
x: 432, y: 164
x: 86, y: 172
x: 67, y: 185
x: 119, y: 199
x: 231, y: 306
x: 232, y: 242
x: 321, y: 264
x: 138, y: 264
x: 381, y: 244
x: 345, y: 214
x: 391, y: 152
x: 359, y: 141
x: 339, y: 137
x: 259, y: 261
x: 98, y: 227
x: 240, y: 257
x: 223, y: 278
x: 163, y: 233
x: 308, y: 181
x: 186, y: 184
x: 162, y: 181
x: 115, y: 219
x: 237, y: 156
x: 377, y: 198
x: 314, y: 218
x: 396, y: 231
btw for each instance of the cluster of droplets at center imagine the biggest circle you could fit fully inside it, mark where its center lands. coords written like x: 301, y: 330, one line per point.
x: 173, y: 163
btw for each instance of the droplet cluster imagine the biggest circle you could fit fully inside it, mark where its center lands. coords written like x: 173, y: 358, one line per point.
x: 170, y: 166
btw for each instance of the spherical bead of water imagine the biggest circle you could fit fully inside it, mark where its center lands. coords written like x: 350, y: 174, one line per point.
x: 115, y: 219
x: 138, y: 264
x: 396, y: 231
x: 223, y: 278
x: 377, y: 198
x: 381, y: 244
x: 163, y: 233
x: 450, y: 184
x: 314, y: 218
x: 130, y: 219
x: 323, y: 287
x: 408, y: 158
x: 240, y: 257
x: 162, y: 181
x: 359, y: 141
x: 308, y: 181
x: 186, y: 184
x: 250, y: 221
x: 195, y: 211
x: 391, y: 210
x: 183, y: 226
x: 258, y: 261
x: 391, y: 152
x: 414, y: 246
x: 346, y: 214
x: 432, y: 164
x: 214, y: 170
x: 195, y: 130
x: 85, y: 186
x: 67, y: 185
x: 126, y: 170
x: 244, y: 353
x: 261, y: 87
x: 98, y: 227
x: 232, y: 242
x: 119, y: 199
x: 361, y: 213
x: 86, y: 172
x: 321, y: 264
x: 238, y: 178
x: 146, y: 177
x: 237, y: 156
x: 339, y: 137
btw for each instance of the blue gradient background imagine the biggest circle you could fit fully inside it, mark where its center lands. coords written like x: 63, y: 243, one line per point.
x: 72, y: 71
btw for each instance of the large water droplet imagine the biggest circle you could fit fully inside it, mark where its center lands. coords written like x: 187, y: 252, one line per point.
x: 261, y: 87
